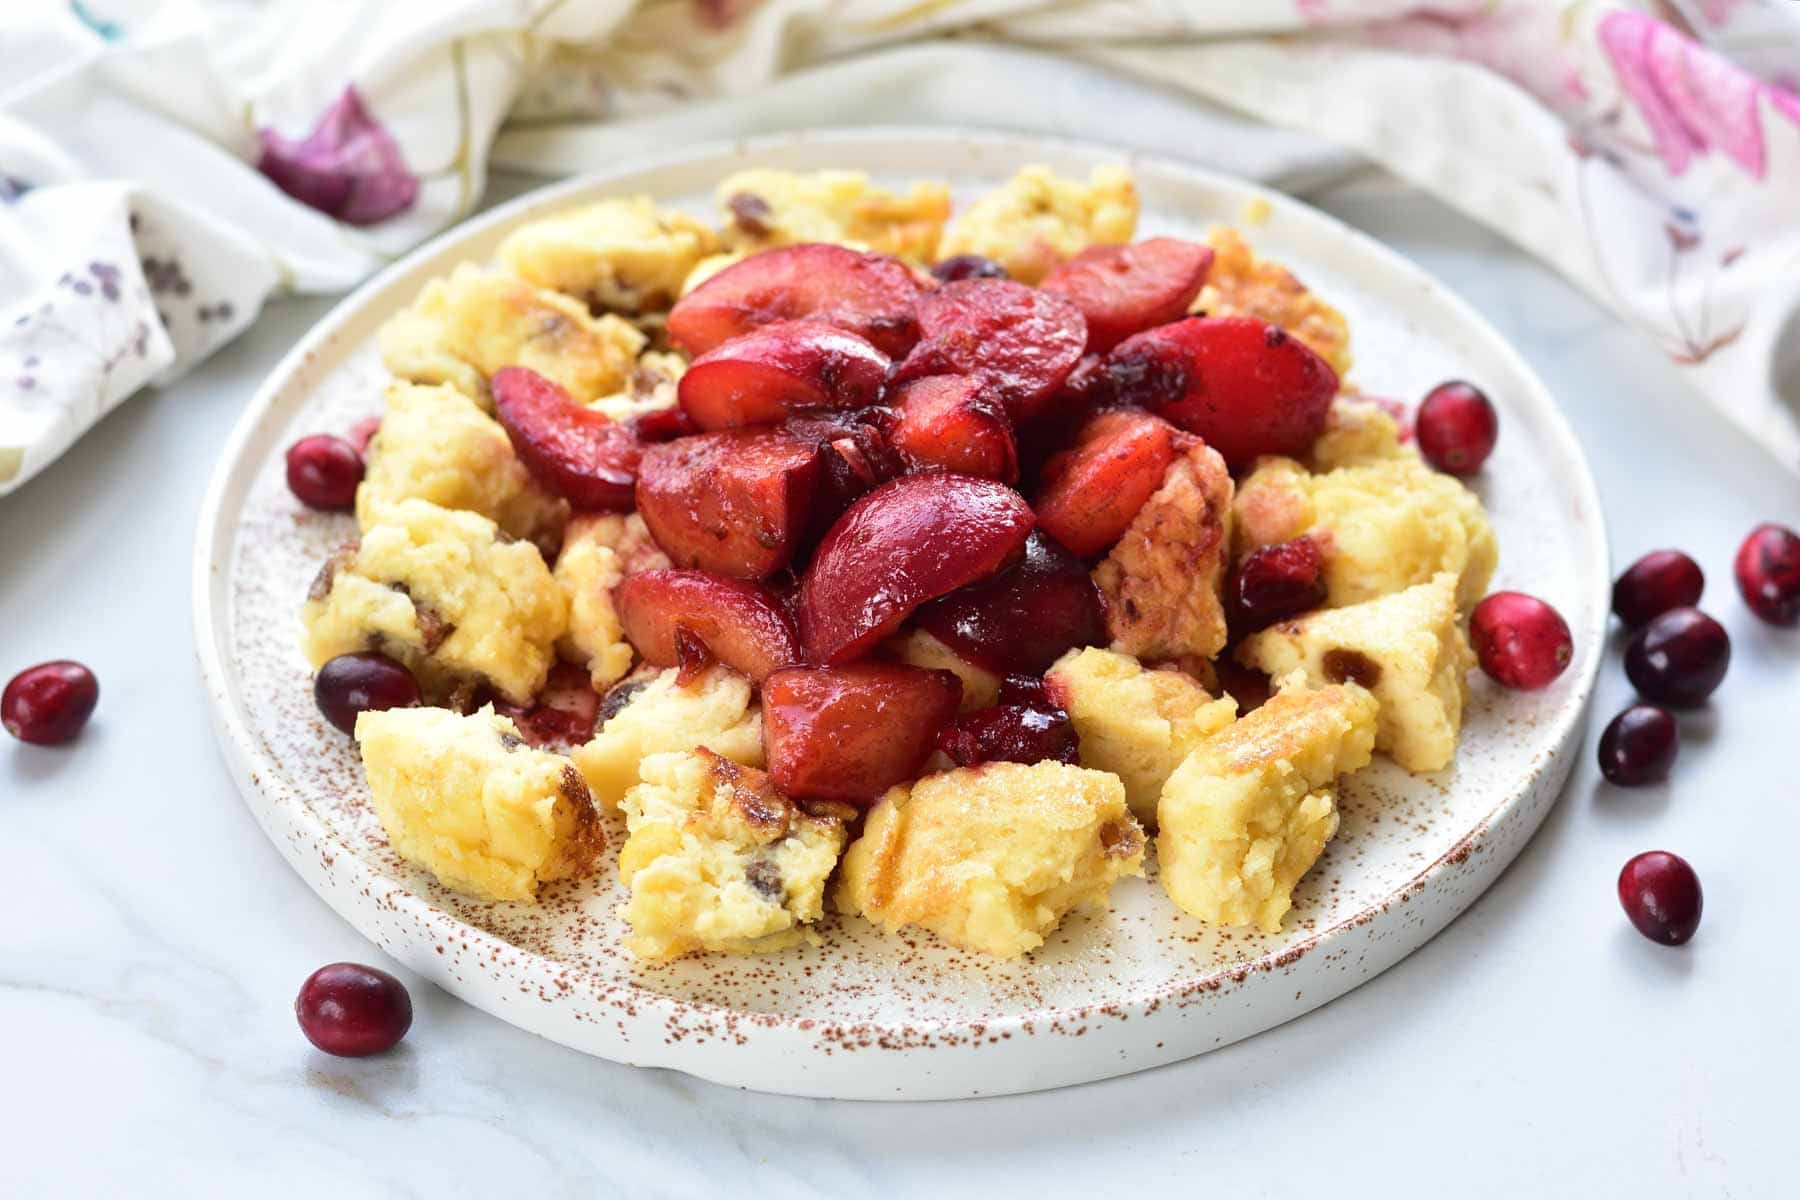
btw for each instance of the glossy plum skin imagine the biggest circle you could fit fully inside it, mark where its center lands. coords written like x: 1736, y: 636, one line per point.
x: 775, y: 370
x: 1089, y: 493
x: 871, y: 295
x: 1639, y: 746
x: 1123, y: 290
x: 738, y: 502
x: 1679, y: 658
x: 1655, y: 583
x: 1519, y: 640
x: 1767, y: 568
x: 1456, y: 427
x: 1021, y: 733
x: 910, y: 540
x: 1024, y: 618
x: 1276, y: 582
x: 362, y: 682
x: 323, y: 472
x: 49, y: 704
x: 582, y: 455
x: 353, y: 1011
x: 1661, y: 895
x: 741, y: 624
x: 1245, y: 386
x: 849, y: 733
x: 956, y: 422
x: 1022, y: 341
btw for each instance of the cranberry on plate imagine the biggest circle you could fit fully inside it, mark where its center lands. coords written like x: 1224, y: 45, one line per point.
x: 323, y: 471
x: 1456, y: 427
x: 1639, y: 746
x: 1655, y: 583
x: 1277, y: 582
x: 1661, y: 894
x: 354, y: 683
x: 353, y: 1011
x: 967, y: 266
x: 48, y: 704
x: 1519, y: 640
x: 1679, y: 658
x: 1768, y: 573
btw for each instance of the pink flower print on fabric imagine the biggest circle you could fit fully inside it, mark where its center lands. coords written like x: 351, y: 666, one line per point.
x: 1692, y: 99
x: 348, y: 167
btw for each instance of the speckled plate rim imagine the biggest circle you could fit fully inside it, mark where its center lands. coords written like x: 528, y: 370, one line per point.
x: 772, y: 1053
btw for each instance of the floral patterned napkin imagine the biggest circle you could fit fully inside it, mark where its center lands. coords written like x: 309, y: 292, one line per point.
x: 166, y: 165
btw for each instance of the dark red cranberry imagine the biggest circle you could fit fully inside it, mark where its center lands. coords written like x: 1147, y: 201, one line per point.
x: 1456, y: 427
x: 1661, y: 895
x: 1768, y: 573
x: 363, y: 432
x: 1024, y: 618
x: 1655, y: 583
x: 323, y: 471
x: 1277, y: 582
x: 351, y: 1010
x: 1519, y: 640
x: 1010, y: 733
x: 48, y: 704
x: 565, y: 712
x: 1639, y: 746
x: 362, y: 682
x: 1679, y: 658
x: 968, y: 266
x: 1028, y: 690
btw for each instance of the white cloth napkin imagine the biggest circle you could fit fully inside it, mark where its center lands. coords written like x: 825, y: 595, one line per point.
x: 166, y: 165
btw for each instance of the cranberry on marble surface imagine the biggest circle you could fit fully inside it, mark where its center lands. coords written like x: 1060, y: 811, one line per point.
x: 1661, y: 894
x: 1655, y: 583
x: 1639, y: 746
x: 352, y: 1011
x: 48, y: 704
x: 1679, y: 658
x: 1768, y: 573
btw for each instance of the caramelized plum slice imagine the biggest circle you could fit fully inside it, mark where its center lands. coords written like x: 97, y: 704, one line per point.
x: 850, y: 733
x: 1244, y: 385
x: 740, y: 624
x: 956, y: 422
x: 910, y: 540
x: 1023, y: 619
x: 1022, y: 341
x: 564, y: 713
x: 1090, y: 492
x: 1021, y: 733
x: 738, y: 502
x: 787, y: 367
x: 1122, y: 290
x: 582, y: 455
x: 871, y: 295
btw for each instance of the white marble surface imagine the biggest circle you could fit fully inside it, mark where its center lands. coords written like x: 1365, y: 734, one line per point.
x: 1539, y: 1046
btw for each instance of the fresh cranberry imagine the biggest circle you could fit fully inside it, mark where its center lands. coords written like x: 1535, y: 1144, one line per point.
x: 354, y: 683
x: 1028, y: 690
x: 49, y: 703
x: 363, y: 432
x: 1768, y: 573
x: 1277, y: 582
x: 351, y: 1010
x: 1639, y: 746
x: 1655, y: 583
x: 1679, y: 658
x: 1456, y: 428
x: 968, y: 266
x: 1010, y: 733
x: 1661, y: 895
x: 1519, y: 640
x: 323, y: 471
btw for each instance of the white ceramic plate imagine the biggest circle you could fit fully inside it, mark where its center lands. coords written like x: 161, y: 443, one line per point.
x: 869, y: 1016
